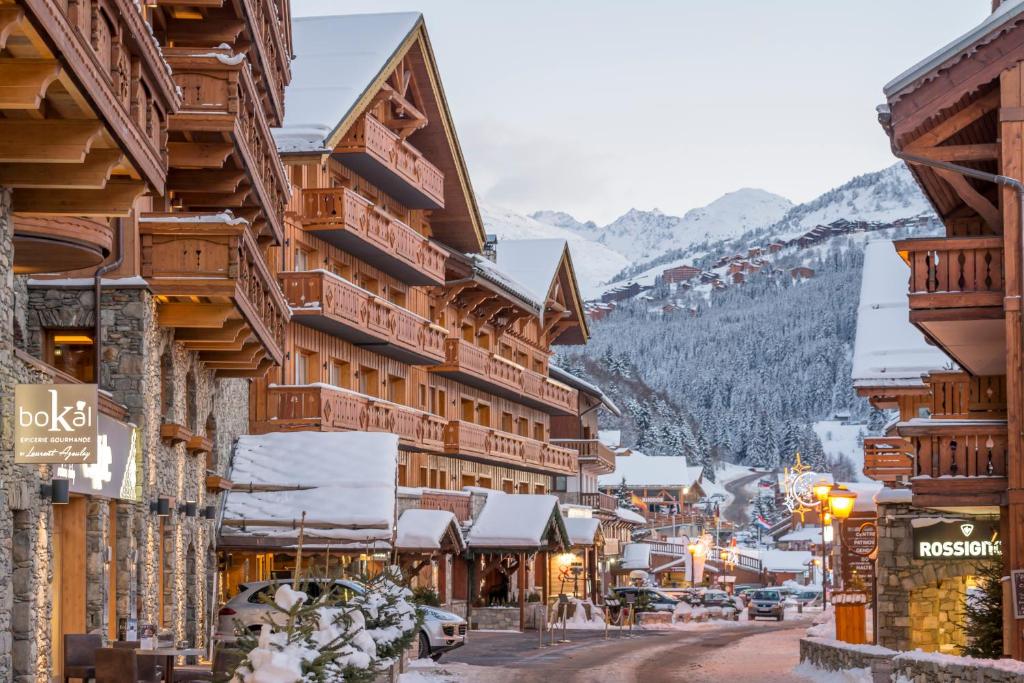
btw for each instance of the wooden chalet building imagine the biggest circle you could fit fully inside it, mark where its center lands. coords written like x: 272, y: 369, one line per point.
x: 679, y: 274
x: 955, y: 118
x: 140, y: 191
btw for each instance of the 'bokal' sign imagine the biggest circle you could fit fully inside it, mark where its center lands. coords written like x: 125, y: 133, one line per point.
x: 55, y: 424
x: 956, y: 539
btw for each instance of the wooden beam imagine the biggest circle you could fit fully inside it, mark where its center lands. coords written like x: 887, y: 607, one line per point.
x: 974, y: 199
x: 946, y: 129
x: 249, y: 356
x: 230, y: 337
x: 231, y: 200
x: 23, y: 82
x: 11, y: 17
x: 193, y: 155
x: 206, y: 32
x: 47, y: 141
x: 115, y: 199
x: 205, y: 180
x: 980, y: 152
x: 260, y: 370
x: 92, y: 174
x: 193, y: 315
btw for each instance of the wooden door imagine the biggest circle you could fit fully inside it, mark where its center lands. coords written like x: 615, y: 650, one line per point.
x: 68, y: 585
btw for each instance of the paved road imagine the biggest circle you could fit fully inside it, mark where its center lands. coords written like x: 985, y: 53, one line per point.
x: 736, y: 511
x: 765, y: 652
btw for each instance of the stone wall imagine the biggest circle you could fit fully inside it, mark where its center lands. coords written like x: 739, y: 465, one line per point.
x: 902, y: 580
x: 912, y: 667
x: 505, y: 618
x: 833, y: 655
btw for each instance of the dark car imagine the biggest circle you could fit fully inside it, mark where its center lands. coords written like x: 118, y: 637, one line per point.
x: 767, y: 603
x: 654, y: 598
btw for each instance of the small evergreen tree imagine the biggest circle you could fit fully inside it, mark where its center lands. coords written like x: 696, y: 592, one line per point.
x: 625, y: 497
x: 983, y: 612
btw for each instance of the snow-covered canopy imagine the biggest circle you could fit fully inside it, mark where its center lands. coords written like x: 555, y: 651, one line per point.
x: 636, y: 556
x: 891, y: 496
x: 337, y: 59
x: 807, y: 533
x: 990, y: 27
x: 627, y: 515
x: 583, y: 531
x: 566, y: 377
x: 427, y: 530
x: 888, y: 350
x: 780, y: 560
x: 661, y: 471
x: 519, y: 521
x: 343, y: 481
x: 490, y: 272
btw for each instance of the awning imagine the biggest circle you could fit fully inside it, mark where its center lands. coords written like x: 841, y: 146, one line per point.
x: 583, y: 531
x: 428, y: 531
x: 519, y: 522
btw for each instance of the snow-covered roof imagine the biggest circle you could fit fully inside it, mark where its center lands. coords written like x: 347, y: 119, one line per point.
x: 808, y: 533
x: 612, y: 438
x: 518, y: 521
x: 781, y: 560
x: 669, y: 471
x: 984, y: 32
x: 489, y: 271
x: 426, y: 529
x: 888, y: 350
x: 636, y: 556
x: 343, y: 481
x: 532, y: 262
x: 572, y: 380
x: 582, y: 530
x: 627, y: 515
x: 891, y: 496
x: 337, y: 59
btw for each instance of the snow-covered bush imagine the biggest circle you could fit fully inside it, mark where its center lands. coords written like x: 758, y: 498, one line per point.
x: 391, y: 620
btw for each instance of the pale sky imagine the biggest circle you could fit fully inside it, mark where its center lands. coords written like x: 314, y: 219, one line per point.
x: 597, y: 106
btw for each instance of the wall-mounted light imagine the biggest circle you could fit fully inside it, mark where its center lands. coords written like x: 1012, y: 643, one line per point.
x: 188, y: 508
x: 57, y: 491
x: 210, y: 512
x: 161, y: 507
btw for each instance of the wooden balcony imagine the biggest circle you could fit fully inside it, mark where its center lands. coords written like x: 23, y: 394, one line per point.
x: 504, y: 448
x: 222, y: 154
x: 457, y: 503
x: 598, y: 501
x: 84, y: 104
x: 958, y: 463
x: 351, y: 222
x: 381, y: 156
x: 322, y: 407
x: 959, y: 396
x: 327, y: 302
x: 480, y: 368
x: 956, y: 297
x: 214, y: 288
x: 593, y: 453
x: 888, y: 459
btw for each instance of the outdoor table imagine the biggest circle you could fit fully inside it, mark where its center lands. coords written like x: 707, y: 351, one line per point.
x: 169, y: 654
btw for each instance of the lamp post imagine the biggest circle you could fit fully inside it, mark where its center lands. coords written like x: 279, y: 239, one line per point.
x: 821, y: 491
x: 692, y: 549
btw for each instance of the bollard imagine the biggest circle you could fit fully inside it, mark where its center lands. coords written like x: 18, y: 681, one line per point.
x: 542, y: 624
x: 799, y: 607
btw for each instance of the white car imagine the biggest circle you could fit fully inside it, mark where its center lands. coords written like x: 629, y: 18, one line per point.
x: 440, y: 631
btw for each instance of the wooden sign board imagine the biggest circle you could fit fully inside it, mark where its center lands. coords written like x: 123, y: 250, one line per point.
x: 55, y: 424
x: 862, y: 539
x: 1017, y: 584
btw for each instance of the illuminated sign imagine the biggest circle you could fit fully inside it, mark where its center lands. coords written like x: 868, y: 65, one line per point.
x: 950, y: 539
x: 55, y: 424
x: 115, y: 472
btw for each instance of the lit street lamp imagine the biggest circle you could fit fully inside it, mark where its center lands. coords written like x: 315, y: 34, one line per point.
x: 692, y: 549
x: 840, y: 501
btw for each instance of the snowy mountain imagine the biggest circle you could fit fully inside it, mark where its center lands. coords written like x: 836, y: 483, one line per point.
x: 593, y: 262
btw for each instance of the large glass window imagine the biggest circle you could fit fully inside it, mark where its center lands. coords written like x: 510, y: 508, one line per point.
x: 72, y: 351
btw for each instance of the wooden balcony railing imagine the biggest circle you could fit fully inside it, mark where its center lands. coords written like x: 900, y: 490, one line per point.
x: 957, y: 395
x: 349, y: 221
x: 327, y: 302
x: 957, y: 448
x: 466, y: 438
x: 592, y: 452
x: 888, y: 459
x: 479, y: 367
x: 957, y: 272
x: 326, y: 408
x: 385, y: 159
x: 266, y: 24
x: 598, y: 501
x: 222, y: 152
x: 213, y: 285
x: 459, y: 504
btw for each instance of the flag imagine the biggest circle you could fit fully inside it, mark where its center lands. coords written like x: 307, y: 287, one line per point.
x: 762, y: 522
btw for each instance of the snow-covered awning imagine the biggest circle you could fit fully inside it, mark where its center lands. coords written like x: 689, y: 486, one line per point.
x: 344, y: 482
x: 627, y: 515
x: 888, y: 351
x: 519, y: 522
x: 636, y: 556
x: 583, y: 531
x: 657, y: 471
x: 428, y: 531
x: 808, y: 533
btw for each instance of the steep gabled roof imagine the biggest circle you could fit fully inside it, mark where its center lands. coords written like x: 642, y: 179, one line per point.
x: 341, y: 63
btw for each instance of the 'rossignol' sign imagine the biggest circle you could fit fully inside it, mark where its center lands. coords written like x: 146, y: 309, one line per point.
x: 55, y: 424
x: 956, y: 539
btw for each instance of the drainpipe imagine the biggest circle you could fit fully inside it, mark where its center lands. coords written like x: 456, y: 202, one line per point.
x: 98, y: 292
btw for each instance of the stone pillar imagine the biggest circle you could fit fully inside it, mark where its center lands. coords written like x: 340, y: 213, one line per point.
x: 97, y: 567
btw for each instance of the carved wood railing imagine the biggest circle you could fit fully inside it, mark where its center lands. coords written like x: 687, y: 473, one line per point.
x: 957, y: 395
x: 328, y: 209
x: 956, y: 272
x: 888, y: 458
x: 466, y: 438
x: 332, y: 408
x: 314, y: 293
x: 591, y: 452
x: 598, y: 501
x: 369, y: 136
x: 465, y: 358
x: 265, y: 22
x: 958, y: 448
x: 456, y: 503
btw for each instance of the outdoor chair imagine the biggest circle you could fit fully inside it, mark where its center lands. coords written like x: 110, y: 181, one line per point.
x: 192, y: 673
x: 118, y: 665
x: 80, y: 656
x: 225, y: 661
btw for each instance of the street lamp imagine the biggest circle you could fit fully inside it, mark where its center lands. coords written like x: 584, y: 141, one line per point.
x: 841, y: 501
x: 821, y: 490
x: 692, y: 549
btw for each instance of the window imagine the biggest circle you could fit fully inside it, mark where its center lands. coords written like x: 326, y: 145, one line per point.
x: 505, y: 351
x: 524, y: 487
x: 369, y: 381
x: 340, y: 269
x: 483, y: 415
x: 73, y: 352
x: 302, y: 258
x: 506, y: 422
x: 468, y: 480
x: 538, y: 366
x: 539, y: 489
x: 439, y: 402
x: 396, y: 389
x: 561, y: 483
x: 396, y: 296
x: 468, y: 334
x: 485, y: 341
x: 305, y: 367
x: 370, y: 284
x: 402, y: 477
x: 424, y: 476
x: 523, y: 427
x: 485, y: 482
x: 468, y: 410
x: 508, y: 486
x: 422, y: 403
x: 538, y: 431
x: 341, y: 374
x: 442, y: 479
x: 433, y: 479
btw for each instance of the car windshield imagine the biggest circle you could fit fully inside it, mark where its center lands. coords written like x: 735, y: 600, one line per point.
x: 661, y: 597
x: 766, y: 595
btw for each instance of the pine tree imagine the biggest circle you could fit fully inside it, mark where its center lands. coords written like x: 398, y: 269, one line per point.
x: 983, y: 612
x: 625, y: 497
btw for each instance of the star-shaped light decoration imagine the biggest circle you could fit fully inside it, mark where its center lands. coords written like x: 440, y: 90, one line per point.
x: 797, y: 483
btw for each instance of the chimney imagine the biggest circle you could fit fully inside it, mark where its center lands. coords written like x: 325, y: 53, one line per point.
x: 491, y: 247
x: 996, y: 4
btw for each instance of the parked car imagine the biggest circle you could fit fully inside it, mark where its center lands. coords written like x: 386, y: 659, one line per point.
x: 766, y: 603
x: 656, y: 599
x: 440, y: 631
x: 808, y: 597
x: 716, y: 598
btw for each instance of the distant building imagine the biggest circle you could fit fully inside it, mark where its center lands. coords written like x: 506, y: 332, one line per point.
x: 679, y: 274
x: 775, y: 247
x: 622, y: 292
x: 754, y: 252
x: 801, y: 273
x: 738, y: 278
